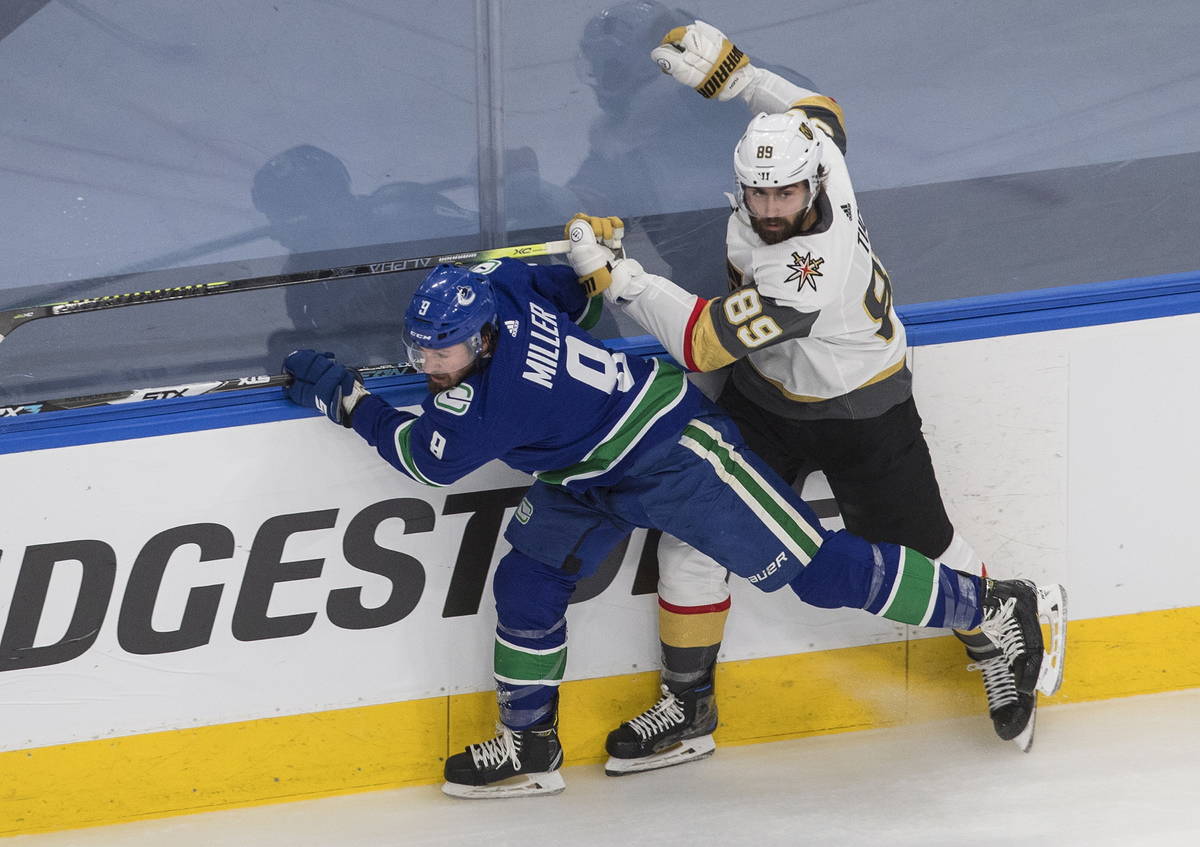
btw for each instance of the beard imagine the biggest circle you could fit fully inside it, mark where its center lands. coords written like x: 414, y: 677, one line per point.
x: 777, y: 230
x: 437, y: 383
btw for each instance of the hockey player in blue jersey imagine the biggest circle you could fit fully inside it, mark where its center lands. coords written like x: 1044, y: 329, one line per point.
x: 615, y: 442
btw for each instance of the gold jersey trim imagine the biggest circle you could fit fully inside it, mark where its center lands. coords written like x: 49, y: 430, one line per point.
x: 891, y: 370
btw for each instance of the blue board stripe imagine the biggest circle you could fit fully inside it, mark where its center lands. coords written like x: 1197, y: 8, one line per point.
x: 942, y: 322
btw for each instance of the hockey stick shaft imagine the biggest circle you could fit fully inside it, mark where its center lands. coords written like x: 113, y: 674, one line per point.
x: 174, y: 391
x: 195, y: 389
x: 10, y: 319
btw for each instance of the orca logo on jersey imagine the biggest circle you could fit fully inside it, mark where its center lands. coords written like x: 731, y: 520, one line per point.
x: 455, y: 400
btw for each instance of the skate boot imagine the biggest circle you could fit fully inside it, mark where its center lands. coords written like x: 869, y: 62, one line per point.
x: 1013, y: 611
x: 514, y: 763
x: 676, y: 729
x: 1013, y: 712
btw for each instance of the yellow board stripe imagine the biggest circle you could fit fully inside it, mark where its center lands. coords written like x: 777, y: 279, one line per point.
x: 374, y: 747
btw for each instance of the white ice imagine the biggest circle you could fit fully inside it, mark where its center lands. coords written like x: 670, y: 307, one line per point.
x: 1118, y: 772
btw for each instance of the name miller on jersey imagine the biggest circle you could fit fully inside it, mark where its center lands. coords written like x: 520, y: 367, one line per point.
x: 541, y: 362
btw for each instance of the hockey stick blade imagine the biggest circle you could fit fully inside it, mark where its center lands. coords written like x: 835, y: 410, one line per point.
x: 171, y: 392
x: 10, y: 319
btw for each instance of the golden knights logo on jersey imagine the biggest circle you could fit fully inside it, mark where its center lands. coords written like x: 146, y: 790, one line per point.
x: 806, y: 269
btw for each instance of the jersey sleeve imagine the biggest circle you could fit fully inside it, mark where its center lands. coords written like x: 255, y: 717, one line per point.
x: 560, y: 285
x: 771, y: 93
x: 708, y: 334
x: 431, y: 448
x: 722, y: 330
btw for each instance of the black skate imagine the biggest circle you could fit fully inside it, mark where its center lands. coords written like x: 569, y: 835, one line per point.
x: 514, y: 763
x: 1013, y: 611
x: 676, y: 729
x: 1014, y: 713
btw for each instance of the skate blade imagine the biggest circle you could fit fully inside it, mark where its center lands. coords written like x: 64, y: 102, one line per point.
x: 522, y: 785
x: 685, y: 751
x: 1024, y: 740
x: 1052, y: 611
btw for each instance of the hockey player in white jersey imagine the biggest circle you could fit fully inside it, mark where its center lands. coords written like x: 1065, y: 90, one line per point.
x: 818, y: 378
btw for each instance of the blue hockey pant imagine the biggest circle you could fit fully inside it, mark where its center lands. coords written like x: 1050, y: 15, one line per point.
x: 709, y: 491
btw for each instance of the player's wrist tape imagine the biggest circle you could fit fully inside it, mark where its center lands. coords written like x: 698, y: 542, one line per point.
x: 596, y: 281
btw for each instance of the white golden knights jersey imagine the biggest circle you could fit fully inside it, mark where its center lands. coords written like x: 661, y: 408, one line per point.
x: 808, y: 324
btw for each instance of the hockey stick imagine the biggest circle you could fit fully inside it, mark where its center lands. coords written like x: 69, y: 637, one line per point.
x: 118, y: 398
x: 10, y: 319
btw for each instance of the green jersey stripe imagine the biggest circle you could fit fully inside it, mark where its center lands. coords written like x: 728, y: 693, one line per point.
x: 404, y: 453
x: 662, y: 392
x: 783, y: 521
x: 813, y: 532
x: 914, y: 592
x: 591, y: 314
x: 512, y: 664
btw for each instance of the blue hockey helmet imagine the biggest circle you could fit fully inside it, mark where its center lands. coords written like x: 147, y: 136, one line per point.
x: 451, y: 306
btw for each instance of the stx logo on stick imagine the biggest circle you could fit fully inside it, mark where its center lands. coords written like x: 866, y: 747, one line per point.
x: 13, y: 411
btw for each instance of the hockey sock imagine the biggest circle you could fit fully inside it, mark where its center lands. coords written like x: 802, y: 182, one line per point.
x: 691, y: 639
x: 531, y: 638
x: 891, y: 581
x: 528, y: 671
x: 915, y: 590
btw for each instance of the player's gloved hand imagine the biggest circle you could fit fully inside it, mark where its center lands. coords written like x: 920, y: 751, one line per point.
x: 701, y: 56
x: 319, y: 382
x: 591, y: 261
x: 628, y: 281
x: 608, y: 231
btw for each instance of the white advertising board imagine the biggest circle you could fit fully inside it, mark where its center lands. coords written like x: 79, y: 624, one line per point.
x: 283, y: 568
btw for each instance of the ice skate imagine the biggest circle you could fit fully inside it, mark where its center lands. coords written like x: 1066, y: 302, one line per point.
x: 1013, y: 613
x: 676, y: 729
x: 515, y: 763
x: 1013, y: 713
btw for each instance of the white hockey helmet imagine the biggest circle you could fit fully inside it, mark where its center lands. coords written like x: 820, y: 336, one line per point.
x: 778, y: 150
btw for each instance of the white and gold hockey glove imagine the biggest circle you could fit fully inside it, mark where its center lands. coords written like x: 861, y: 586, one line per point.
x: 608, y: 231
x: 701, y: 56
x: 591, y: 255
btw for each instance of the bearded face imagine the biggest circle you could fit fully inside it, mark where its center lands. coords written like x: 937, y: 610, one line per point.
x: 776, y: 213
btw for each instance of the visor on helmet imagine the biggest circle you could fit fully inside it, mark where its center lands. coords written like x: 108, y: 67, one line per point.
x: 443, y: 360
x: 775, y: 202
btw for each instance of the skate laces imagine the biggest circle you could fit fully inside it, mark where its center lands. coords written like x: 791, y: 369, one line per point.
x: 663, y: 715
x: 495, y: 752
x: 1001, y: 627
x: 998, y: 681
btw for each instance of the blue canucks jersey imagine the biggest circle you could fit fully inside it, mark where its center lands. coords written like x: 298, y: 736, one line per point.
x: 552, y: 401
